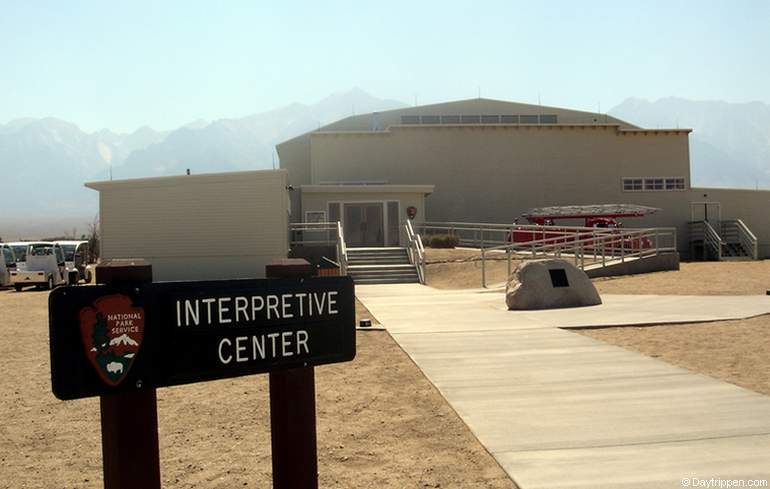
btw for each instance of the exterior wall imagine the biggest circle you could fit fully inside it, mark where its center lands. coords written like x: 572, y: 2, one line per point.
x: 318, y: 201
x: 751, y: 206
x: 494, y: 173
x: 295, y: 155
x: 295, y: 158
x: 197, y: 227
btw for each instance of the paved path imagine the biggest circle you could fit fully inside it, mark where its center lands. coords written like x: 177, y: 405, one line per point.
x: 560, y: 410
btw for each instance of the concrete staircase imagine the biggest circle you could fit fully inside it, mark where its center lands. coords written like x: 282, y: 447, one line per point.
x: 381, y: 266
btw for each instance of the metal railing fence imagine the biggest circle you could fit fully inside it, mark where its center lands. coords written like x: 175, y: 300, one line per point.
x: 321, y: 233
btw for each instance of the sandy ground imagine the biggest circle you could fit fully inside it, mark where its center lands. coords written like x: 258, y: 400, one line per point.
x: 733, y: 351
x: 698, y: 278
x: 461, y: 268
x: 380, y: 423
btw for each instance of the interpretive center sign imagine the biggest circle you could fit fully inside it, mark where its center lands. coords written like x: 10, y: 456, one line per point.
x: 107, y: 339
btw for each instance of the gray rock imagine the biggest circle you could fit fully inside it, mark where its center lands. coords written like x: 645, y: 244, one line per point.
x: 549, y: 284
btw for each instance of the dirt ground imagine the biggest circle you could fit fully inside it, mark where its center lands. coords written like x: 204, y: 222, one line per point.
x: 461, y: 268
x: 698, y: 278
x: 733, y: 351
x: 380, y: 423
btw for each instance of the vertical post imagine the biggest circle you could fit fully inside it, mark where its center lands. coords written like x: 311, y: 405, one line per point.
x: 130, y: 454
x: 483, y: 269
x: 292, y: 408
x: 508, y: 250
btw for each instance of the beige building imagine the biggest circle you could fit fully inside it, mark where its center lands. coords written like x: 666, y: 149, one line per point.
x: 488, y: 161
x: 197, y: 227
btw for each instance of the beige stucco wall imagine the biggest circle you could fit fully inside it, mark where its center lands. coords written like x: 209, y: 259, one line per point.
x: 294, y: 154
x: 494, y: 173
x: 197, y: 227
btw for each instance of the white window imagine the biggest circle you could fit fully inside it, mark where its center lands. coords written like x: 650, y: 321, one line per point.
x: 632, y: 184
x: 653, y: 184
x: 675, y: 183
x: 315, y: 216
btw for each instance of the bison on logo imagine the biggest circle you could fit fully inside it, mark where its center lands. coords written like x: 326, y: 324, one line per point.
x: 112, y: 333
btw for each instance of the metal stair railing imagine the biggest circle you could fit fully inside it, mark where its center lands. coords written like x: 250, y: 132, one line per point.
x: 736, y: 231
x: 415, y: 250
x: 321, y: 233
x: 342, y: 250
x: 712, y: 239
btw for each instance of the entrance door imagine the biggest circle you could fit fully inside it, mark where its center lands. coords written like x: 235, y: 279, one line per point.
x: 364, y: 225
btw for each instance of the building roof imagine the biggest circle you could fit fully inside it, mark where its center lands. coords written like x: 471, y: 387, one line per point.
x: 179, y: 179
x: 478, y: 111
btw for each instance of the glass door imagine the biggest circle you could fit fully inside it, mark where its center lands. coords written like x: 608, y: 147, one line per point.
x: 364, y: 225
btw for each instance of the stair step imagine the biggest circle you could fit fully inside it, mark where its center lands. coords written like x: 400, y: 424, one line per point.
x: 386, y: 280
x: 381, y: 273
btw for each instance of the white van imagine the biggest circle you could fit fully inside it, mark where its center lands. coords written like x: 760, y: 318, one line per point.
x: 76, y: 258
x: 20, y: 250
x: 7, y: 264
x: 45, y: 267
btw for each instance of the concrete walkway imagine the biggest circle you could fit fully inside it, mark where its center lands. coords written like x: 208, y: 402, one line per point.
x: 560, y: 410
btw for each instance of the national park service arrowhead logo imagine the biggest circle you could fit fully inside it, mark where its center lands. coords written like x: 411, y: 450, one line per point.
x: 112, y: 333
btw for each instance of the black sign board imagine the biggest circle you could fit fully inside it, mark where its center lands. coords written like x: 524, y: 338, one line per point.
x: 107, y: 339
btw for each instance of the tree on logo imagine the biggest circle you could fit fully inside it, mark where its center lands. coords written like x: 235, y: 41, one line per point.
x: 101, y: 340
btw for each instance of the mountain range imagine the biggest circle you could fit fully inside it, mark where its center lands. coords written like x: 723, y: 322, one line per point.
x: 45, y: 161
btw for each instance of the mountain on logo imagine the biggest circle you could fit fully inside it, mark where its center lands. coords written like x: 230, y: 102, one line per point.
x: 123, y: 339
x: 111, y: 356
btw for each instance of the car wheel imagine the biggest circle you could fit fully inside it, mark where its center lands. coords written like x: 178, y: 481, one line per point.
x: 18, y: 288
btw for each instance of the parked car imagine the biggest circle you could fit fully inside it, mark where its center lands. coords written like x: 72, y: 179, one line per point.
x: 7, y: 264
x: 76, y: 258
x: 20, y: 250
x: 45, y: 267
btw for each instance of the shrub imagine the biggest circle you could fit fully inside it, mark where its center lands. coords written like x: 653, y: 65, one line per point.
x: 441, y: 241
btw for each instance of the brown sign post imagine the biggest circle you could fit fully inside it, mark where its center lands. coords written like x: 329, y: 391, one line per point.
x: 130, y: 454
x: 292, y: 407
x: 114, y: 341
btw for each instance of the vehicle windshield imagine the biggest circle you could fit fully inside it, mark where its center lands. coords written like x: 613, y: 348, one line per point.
x: 40, y: 250
x: 21, y: 252
x: 10, y: 260
x: 69, y: 252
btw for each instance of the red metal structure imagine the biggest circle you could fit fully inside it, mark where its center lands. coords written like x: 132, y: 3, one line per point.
x: 599, y: 217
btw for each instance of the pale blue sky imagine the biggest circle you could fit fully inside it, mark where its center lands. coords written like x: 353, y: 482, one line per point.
x: 165, y: 63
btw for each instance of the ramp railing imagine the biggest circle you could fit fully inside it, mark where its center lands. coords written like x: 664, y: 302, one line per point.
x: 585, y: 246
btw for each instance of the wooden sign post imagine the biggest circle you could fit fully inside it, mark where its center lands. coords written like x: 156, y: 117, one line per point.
x: 130, y: 455
x: 292, y: 408
x: 124, y: 338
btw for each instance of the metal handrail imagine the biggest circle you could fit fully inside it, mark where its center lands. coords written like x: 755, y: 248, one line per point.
x: 595, y: 249
x: 587, y: 246
x: 342, y: 250
x: 415, y: 250
x: 738, y: 229
x: 334, y: 236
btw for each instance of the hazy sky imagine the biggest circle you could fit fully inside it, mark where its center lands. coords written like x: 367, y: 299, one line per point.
x: 165, y: 63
